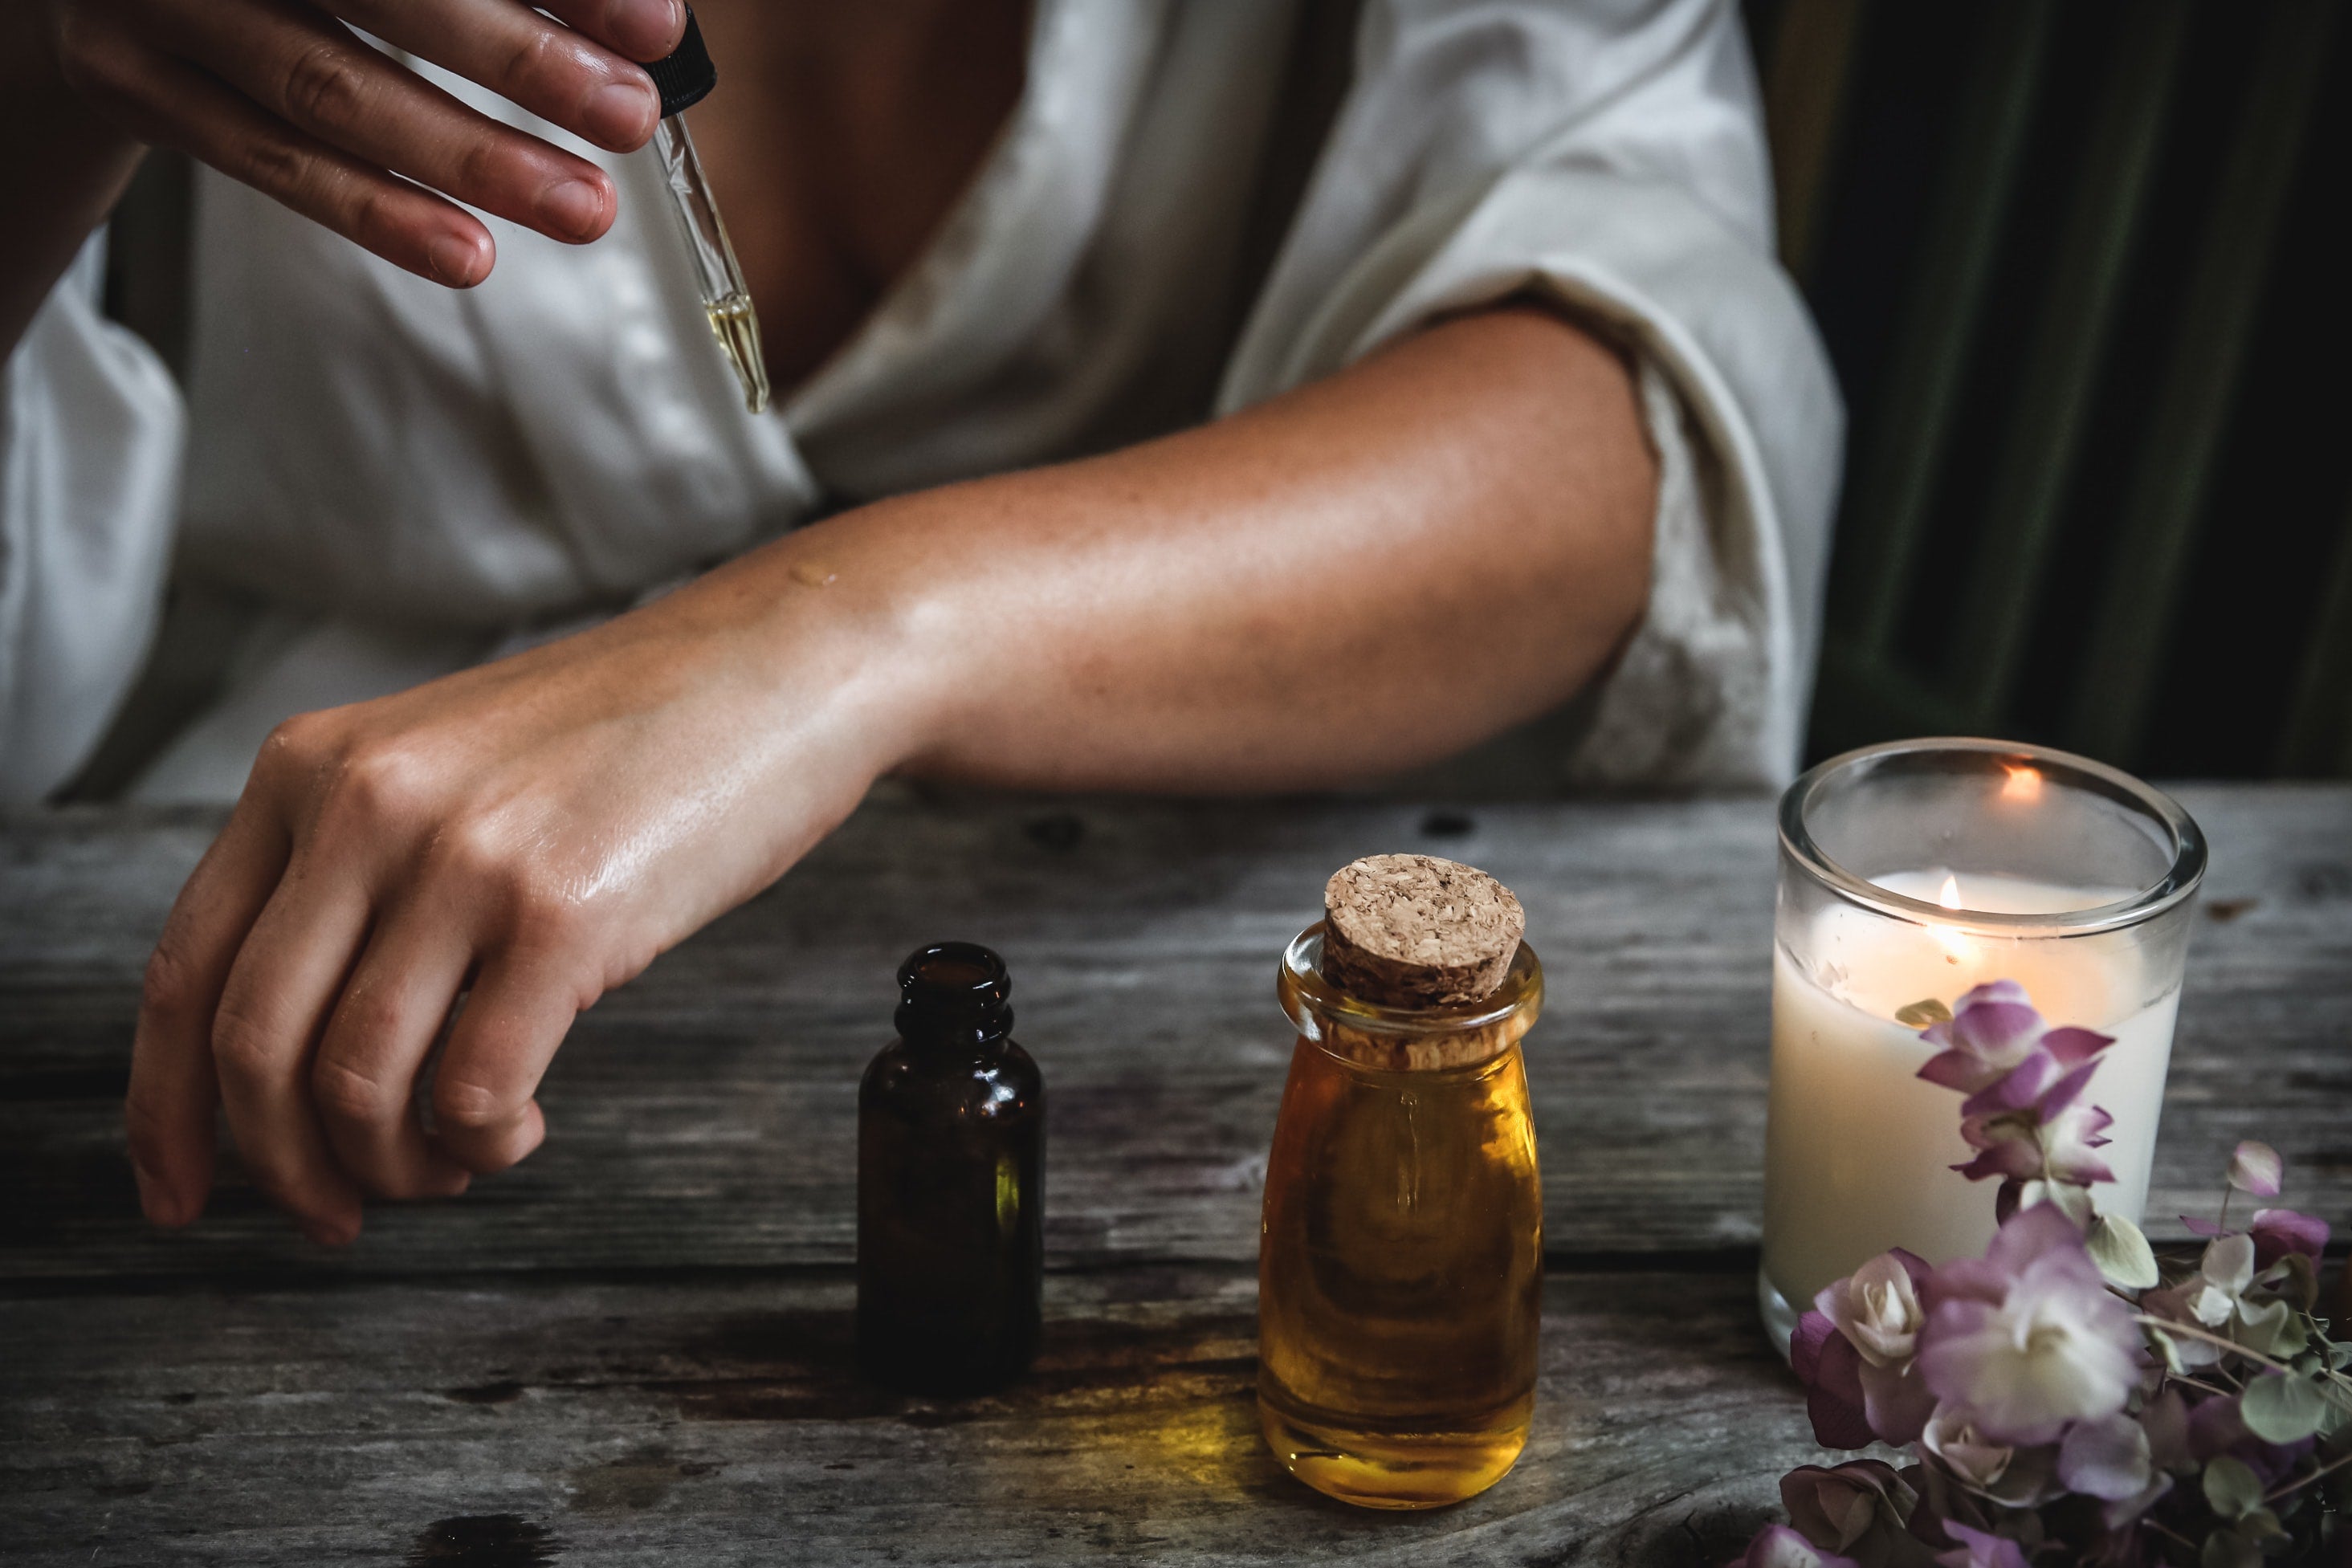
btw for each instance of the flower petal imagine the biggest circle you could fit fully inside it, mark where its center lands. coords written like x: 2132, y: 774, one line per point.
x: 1959, y: 1070
x: 2107, y: 1459
x: 1778, y: 1546
x: 2072, y: 1046
x: 2257, y: 1168
x: 1896, y: 1401
x: 2022, y: 1086
x: 1978, y: 1549
x: 2279, y: 1232
x: 2001, y: 1031
x: 1834, y: 1400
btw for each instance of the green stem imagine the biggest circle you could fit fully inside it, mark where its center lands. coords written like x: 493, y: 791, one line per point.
x: 2149, y: 1320
x: 2335, y: 1464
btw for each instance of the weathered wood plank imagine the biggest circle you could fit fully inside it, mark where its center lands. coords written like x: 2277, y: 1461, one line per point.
x: 718, y: 1422
x: 702, y: 1116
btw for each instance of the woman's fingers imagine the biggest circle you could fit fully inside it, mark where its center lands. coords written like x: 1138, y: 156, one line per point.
x: 309, y: 70
x: 407, y: 225
x: 364, y: 1077
x: 280, y: 990
x: 522, y: 1005
x: 638, y: 30
x: 550, y: 70
x: 169, y: 1111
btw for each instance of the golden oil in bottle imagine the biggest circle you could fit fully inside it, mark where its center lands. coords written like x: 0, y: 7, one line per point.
x: 1401, y: 1260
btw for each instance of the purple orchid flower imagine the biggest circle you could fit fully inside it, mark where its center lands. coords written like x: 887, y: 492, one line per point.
x: 2279, y: 1232
x: 2256, y: 1168
x: 2032, y: 1125
x: 1861, y: 1507
x: 2275, y: 1232
x: 1878, y: 1311
x: 2027, y: 1339
x: 1992, y: 1031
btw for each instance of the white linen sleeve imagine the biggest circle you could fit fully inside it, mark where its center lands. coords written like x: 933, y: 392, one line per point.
x: 1607, y: 157
x: 90, y: 432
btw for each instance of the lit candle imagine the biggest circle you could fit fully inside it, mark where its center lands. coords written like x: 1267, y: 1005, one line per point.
x: 1858, y: 1147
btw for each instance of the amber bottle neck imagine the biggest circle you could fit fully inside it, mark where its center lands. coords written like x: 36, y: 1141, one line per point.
x: 953, y: 996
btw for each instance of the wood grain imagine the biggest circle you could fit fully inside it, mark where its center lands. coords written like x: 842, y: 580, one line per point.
x: 635, y: 1349
x: 702, y: 1116
x: 718, y: 1422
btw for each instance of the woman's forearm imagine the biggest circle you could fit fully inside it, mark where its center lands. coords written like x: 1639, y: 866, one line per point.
x: 65, y: 170
x: 1369, y: 572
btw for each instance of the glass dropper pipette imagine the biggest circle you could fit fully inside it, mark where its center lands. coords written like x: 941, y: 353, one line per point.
x: 685, y: 79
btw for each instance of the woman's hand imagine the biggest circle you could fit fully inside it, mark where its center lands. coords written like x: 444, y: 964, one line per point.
x: 536, y: 830
x: 286, y: 96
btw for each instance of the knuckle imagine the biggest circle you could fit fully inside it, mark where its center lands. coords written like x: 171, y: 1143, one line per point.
x: 325, y: 85
x: 381, y: 784
x: 350, y: 1094
x: 300, y: 744
x: 532, y: 65
x: 245, y: 1047
x: 462, y: 1104
x: 372, y: 221
x: 479, y: 165
x: 277, y: 168
x: 542, y: 913
x: 170, y: 986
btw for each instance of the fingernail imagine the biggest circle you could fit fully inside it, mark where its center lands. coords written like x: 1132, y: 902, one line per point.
x: 621, y: 114
x: 155, y: 1201
x: 456, y: 260
x: 329, y: 1232
x: 572, y: 207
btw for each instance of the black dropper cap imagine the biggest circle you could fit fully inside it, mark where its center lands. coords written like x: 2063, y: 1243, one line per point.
x: 686, y: 75
x: 954, y: 993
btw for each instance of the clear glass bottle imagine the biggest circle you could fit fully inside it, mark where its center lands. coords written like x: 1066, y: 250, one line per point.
x: 1401, y: 1256
x: 951, y: 1184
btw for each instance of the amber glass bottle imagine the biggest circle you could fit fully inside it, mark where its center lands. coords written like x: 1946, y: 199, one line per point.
x: 951, y: 1184
x: 1400, y: 1263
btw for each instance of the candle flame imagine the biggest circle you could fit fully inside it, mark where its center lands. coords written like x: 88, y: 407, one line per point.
x: 1956, y: 946
x: 2025, y: 783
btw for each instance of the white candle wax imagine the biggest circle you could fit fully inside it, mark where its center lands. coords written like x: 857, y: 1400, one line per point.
x: 1858, y: 1146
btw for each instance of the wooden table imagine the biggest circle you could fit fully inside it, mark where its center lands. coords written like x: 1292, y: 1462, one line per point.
x: 635, y: 1349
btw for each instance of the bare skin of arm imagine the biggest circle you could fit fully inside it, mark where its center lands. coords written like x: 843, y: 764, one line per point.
x: 1366, y: 573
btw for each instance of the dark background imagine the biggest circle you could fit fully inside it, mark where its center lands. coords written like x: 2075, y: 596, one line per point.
x: 2130, y: 519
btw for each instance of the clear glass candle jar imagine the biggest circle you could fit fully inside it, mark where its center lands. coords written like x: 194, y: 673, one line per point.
x: 1909, y: 873
x: 1401, y: 1259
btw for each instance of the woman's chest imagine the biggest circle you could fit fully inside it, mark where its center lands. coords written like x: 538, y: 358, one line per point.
x: 837, y: 142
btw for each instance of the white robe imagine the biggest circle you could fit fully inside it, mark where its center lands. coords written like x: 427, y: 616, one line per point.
x: 394, y: 480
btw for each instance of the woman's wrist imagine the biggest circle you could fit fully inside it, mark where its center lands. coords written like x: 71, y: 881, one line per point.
x: 851, y: 646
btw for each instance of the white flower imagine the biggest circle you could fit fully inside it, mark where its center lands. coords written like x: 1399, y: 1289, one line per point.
x: 1952, y: 1438
x: 2221, y: 1278
x: 1877, y: 1309
x: 2027, y: 1338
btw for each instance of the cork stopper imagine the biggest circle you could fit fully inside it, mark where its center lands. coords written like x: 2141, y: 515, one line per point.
x: 1413, y: 931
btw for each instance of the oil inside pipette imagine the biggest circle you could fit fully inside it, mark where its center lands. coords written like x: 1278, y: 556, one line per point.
x: 736, y: 325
